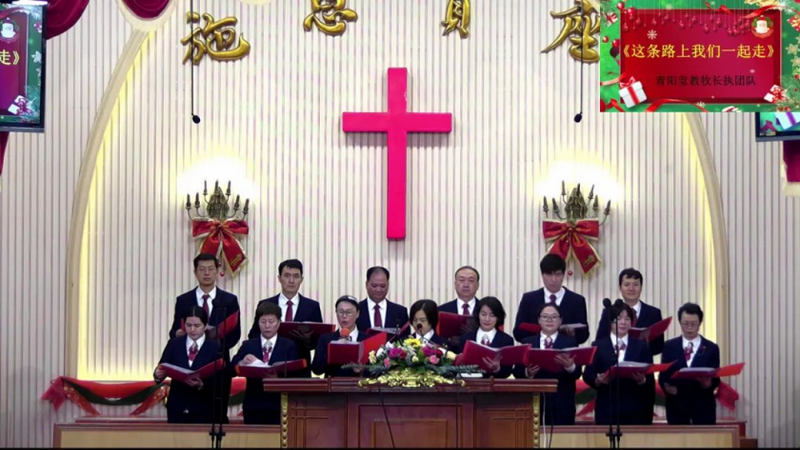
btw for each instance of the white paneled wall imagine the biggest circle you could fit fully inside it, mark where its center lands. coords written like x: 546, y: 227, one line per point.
x: 272, y: 123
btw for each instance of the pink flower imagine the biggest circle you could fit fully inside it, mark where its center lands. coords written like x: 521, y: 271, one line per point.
x: 434, y: 359
x: 397, y: 353
x: 428, y: 351
x: 387, y: 362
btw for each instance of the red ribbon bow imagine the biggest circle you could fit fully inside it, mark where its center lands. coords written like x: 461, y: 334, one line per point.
x: 628, y: 83
x: 221, y: 237
x: 769, y: 126
x: 571, y: 239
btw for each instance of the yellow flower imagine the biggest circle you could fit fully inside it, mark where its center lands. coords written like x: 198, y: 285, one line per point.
x: 450, y: 355
x: 414, y: 343
x: 372, y: 358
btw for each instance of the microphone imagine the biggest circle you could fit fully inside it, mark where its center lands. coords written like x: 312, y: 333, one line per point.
x: 578, y: 117
x: 195, y: 118
x: 344, y: 333
x: 606, y: 303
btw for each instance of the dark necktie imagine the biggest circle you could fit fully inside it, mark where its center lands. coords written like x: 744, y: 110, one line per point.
x: 376, y: 319
x: 266, y: 350
x: 548, y: 342
x: 193, y: 352
x: 553, y: 298
x: 289, y: 312
x: 687, y: 352
x: 465, y: 309
x: 205, y: 303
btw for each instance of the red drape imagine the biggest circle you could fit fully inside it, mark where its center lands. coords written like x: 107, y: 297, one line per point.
x: 3, y: 142
x: 62, y: 15
x: 146, y: 9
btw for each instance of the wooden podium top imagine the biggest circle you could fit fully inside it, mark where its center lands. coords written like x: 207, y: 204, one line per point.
x: 350, y: 386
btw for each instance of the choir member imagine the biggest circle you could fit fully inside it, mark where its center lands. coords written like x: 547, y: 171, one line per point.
x: 347, y: 315
x: 635, y: 394
x: 424, y: 318
x: 573, y: 306
x: 559, y: 407
x: 261, y: 407
x: 489, y: 315
x: 294, y: 308
x: 192, y: 401
x: 690, y: 402
x: 376, y: 311
x: 630, y: 286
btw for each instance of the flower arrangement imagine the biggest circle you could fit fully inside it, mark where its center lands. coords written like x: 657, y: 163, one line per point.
x: 413, y: 364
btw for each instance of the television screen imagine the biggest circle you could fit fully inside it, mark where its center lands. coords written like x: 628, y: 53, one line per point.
x: 777, y: 126
x: 22, y: 64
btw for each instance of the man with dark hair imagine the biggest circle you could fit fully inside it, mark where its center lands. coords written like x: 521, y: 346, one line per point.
x: 572, y: 305
x: 217, y: 304
x: 630, y: 286
x: 294, y: 308
x: 690, y: 402
x: 376, y: 311
x: 466, y: 283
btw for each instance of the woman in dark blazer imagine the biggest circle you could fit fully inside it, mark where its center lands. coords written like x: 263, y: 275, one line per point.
x: 636, y: 393
x: 190, y: 402
x: 261, y: 407
x: 424, y: 318
x: 489, y: 314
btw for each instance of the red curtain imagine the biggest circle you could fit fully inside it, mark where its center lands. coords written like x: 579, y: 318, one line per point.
x: 3, y: 142
x: 146, y: 9
x: 62, y: 15
x: 791, y: 156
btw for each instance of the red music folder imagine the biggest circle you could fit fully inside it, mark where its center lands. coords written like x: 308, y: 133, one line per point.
x: 228, y: 325
x: 183, y: 374
x: 474, y: 353
x: 388, y: 331
x: 656, y: 329
x: 341, y: 353
x: 691, y: 373
x: 317, y: 329
x: 450, y: 324
x: 260, y: 369
x: 630, y: 368
x: 533, y: 328
x: 545, y: 358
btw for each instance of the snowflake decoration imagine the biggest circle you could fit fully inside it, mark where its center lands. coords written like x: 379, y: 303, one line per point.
x: 701, y: 104
x: 796, y: 61
x: 652, y: 35
x: 37, y: 57
x: 669, y: 7
x: 792, y: 49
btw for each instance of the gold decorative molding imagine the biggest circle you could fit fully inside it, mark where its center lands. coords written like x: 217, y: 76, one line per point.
x: 81, y: 200
x: 536, y: 419
x: 284, y: 420
x: 719, y: 233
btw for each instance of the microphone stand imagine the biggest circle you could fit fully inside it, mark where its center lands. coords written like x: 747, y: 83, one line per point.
x: 615, y: 436
x: 219, y: 386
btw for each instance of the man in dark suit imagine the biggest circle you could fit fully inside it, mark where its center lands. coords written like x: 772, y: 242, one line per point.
x: 630, y: 286
x: 572, y: 305
x: 559, y: 408
x: 346, y: 314
x: 466, y: 284
x: 376, y: 311
x: 635, y: 400
x: 261, y: 407
x: 294, y: 308
x: 690, y: 402
x: 218, y: 305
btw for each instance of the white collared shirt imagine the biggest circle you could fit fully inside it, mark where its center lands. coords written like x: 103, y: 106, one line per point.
x: 481, y: 334
x: 211, y: 296
x: 426, y: 338
x: 543, y: 338
x: 637, y: 308
x: 622, y: 340
x: 270, y: 343
x: 695, y: 347
x: 190, y: 342
x: 559, y: 296
x: 371, y: 311
x: 283, y: 301
x: 470, y: 305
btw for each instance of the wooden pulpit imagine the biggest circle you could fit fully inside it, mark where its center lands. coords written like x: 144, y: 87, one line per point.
x: 340, y: 413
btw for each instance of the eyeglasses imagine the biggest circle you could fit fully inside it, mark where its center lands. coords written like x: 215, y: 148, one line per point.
x: 347, y: 313
x: 207, y: 269
x: 690, y: 324
x: 549, y: 318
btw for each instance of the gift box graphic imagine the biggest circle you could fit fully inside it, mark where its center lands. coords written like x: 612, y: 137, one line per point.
x: 787, y: 120
x: 632, y: 92
x: 19, y: 106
